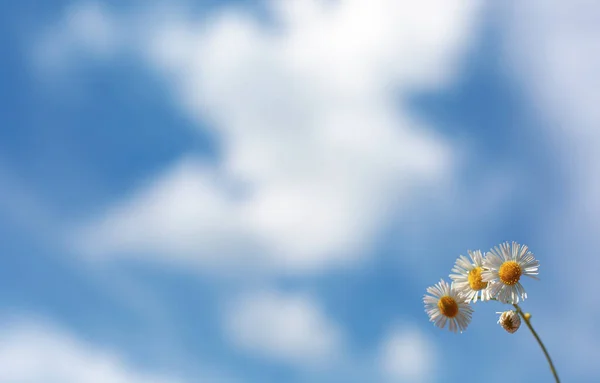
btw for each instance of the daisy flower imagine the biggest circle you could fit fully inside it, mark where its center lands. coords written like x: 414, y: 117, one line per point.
x: 467, y: 280
x: 503, y: 268
x: 444, y: 304
x: 510, y: 321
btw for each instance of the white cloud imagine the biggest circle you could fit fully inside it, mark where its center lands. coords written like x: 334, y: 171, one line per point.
x: 182, y: 212
x: 407, y: 356
x: 32, y: 352
x: 287, y: 328
x: 317, y: 147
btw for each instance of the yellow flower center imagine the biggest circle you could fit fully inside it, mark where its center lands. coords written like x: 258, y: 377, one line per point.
x: 475, y: 280
x: 448, y: 306
x: 510, y: 272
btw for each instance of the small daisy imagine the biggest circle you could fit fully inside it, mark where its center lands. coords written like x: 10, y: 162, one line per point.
x: 503, y: 268
x: 510, y: 321
x: 467, y: 280
x: 445, y: 304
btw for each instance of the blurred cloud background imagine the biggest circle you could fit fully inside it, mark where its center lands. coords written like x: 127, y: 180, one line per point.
x: 261, y: 191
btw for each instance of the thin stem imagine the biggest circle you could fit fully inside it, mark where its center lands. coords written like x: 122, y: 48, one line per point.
x: 528, y: 323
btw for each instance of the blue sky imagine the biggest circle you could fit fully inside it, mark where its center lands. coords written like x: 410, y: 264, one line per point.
x: 261, y: 191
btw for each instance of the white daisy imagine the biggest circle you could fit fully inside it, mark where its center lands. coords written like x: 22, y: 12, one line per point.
x: 503, y: 268
x: 510, y: 321
x: 444, y: 304
x: 467, y: 280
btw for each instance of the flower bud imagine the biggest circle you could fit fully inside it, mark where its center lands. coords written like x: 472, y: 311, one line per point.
x: 510, y: 321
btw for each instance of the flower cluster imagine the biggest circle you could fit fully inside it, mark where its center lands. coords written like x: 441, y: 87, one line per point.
x: 497, y: 276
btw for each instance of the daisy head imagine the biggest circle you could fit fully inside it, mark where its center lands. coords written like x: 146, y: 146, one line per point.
x: 467, y: 278
x: 504, y: 266
x: 510, y: 321
x: 444, y: 304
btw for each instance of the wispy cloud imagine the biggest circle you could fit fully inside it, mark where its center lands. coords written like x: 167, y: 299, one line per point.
x: 86, y: 30
x: 34, y: 351
x: 408, y: 356
x: 286, y: 328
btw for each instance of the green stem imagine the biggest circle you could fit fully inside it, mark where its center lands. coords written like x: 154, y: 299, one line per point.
x: 528, y: 323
